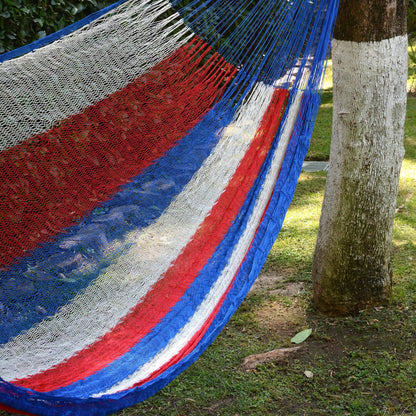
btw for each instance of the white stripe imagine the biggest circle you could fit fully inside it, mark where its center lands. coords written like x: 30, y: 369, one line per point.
x: 208, y: 305
x: 103, y: 304
x: 44, y: 87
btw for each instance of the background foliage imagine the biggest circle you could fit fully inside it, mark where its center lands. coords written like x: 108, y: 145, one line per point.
x: 411, y: 17
x: 24, y: 21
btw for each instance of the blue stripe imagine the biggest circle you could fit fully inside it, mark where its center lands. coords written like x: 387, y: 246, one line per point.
x: 180, y: 314
x: 60, y: 269
x: 252, y: 265
x: 267, y: 231
x: 57, y: 35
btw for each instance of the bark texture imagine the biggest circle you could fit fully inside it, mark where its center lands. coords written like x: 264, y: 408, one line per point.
x: 352, y: 260
x: 370, y: 20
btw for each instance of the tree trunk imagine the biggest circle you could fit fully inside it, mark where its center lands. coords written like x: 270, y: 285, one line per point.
x: 352, y: 260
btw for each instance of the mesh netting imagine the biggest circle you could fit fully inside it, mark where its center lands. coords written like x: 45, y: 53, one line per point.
x: 148, y: 156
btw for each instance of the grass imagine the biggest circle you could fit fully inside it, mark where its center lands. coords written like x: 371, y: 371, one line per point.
x: 320, y: 141
x: 363, y: 365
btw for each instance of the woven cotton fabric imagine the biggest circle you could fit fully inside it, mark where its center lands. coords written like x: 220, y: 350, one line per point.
x: 148, y: 156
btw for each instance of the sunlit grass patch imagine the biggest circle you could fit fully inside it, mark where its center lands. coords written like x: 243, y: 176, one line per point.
x: 295, y: 244
x: 411, y: 82
x: 320, y: 145
x: 327, y: 81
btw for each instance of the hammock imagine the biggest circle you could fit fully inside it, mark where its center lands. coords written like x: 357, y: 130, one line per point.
x: 148, y: 156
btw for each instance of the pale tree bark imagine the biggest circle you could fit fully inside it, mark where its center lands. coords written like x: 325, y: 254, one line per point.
x: 352, y: 260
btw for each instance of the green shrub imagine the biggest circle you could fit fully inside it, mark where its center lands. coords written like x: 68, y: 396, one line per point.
x: 411, y: 17
x: 24, y: 21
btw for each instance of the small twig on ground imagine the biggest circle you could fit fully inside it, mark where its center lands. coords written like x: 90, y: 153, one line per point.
x: 252, y: 361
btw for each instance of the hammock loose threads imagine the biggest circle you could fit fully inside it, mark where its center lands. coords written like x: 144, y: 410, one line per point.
x: 149, y: 154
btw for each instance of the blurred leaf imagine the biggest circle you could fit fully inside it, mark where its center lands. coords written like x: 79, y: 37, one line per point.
x: 41, y: 34
x: 39, y: 20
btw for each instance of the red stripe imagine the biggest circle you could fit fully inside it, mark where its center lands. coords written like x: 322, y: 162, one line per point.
x: 181, y: 354
x: 169, y: 290
x: 193, y: 342
x: 11, y: 410
x: 49, y: 181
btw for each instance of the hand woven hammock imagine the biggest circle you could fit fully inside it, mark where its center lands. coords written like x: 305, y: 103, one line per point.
x: 148, y: 156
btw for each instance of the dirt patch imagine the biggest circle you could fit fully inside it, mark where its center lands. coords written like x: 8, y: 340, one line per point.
x: 219, y: 404
x: 281, y: 320
x: 267, y: 282
x: 283, y: 317
x: 341, y: 354
x: 277, y: 285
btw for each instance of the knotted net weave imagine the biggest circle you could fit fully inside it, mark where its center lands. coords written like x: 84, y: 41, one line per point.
x: 148, y: 156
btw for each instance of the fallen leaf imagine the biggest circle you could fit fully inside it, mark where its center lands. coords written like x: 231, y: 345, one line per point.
x: 301, y: 336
